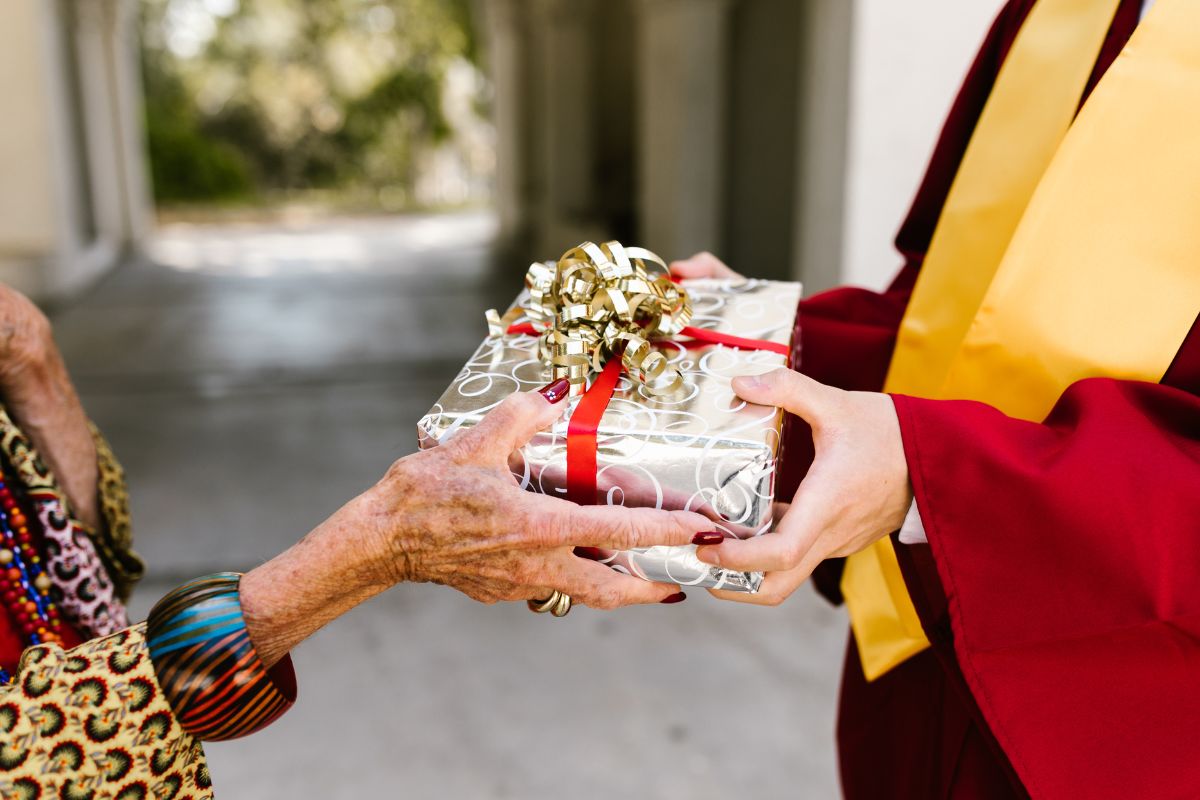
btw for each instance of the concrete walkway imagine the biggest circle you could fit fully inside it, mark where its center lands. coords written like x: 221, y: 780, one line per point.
x: 257, y: 377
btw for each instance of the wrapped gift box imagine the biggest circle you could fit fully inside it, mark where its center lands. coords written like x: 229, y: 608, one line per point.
x: 700, y: 448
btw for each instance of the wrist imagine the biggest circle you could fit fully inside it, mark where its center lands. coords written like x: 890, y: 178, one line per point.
x: 382, y: 528
x: 328, y: 572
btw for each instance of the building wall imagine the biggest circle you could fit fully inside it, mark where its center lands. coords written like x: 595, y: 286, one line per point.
x: 73, y: 195
x: 908, y: 61
x: 762, y: 149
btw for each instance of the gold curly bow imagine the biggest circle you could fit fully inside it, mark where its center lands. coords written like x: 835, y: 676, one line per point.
x: 600, y: 301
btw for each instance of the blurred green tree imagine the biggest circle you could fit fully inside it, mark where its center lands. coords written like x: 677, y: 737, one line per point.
x: 253, y: 99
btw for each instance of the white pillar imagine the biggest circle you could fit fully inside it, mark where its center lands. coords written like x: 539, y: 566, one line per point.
x: 683, y: 51
x: 505, y: 21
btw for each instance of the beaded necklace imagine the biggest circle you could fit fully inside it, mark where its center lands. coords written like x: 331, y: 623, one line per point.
x: 24, y: 585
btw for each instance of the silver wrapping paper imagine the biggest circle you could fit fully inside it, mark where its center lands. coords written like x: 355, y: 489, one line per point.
x: 702, y: 449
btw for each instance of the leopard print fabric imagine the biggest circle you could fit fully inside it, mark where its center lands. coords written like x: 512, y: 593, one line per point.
x: 93, y: 724
x: 82, y: 587
x: 115, y: 541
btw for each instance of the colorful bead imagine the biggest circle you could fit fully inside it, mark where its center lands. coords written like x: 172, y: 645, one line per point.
x: 28, y: 594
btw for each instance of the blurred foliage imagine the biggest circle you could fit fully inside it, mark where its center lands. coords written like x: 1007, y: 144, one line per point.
x: 253, y: 98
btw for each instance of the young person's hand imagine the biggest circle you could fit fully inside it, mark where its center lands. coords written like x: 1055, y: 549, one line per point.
x: 856, y: 492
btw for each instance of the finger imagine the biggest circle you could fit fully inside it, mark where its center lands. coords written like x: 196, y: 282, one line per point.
x: 785, y: 548
x: 508, y: 426
x: 635, y: 489
x: 776, y: 587
x: 789, y: 390
x: 562, y: 523
x: 702, y: 265
x: 600, y: 587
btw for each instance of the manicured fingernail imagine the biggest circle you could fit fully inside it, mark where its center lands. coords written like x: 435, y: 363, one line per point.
x: 709, y: 555
x: 708, y: 537
x: 678, y: 597
x: 556, y: 391
x: 590, y: 553
x: 750, y: 382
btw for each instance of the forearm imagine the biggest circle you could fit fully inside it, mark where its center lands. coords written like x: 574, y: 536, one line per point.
x: 43, y: 402
x: 330, y: 571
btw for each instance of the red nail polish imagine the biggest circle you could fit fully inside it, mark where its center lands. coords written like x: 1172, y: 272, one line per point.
x: 590, y: 553
x: 556, y: 391
x: 708, y: 537
x: 678, y: 597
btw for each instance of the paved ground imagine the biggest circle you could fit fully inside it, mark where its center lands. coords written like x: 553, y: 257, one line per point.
x: 258, y: 377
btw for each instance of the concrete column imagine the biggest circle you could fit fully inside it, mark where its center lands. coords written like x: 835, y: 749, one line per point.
x: 565, y: 37
x: 104, y: 35
x: 826, y: 44
x: 505, y: 23
x: 683, y: 61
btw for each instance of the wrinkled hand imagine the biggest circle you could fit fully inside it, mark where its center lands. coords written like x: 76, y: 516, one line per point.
x: 702, y: 265
x: 25, y: 338
x: 856, y: 492
x: 455, y: 515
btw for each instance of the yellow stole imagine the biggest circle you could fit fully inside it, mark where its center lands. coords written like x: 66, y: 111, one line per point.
x: 1061, y: 255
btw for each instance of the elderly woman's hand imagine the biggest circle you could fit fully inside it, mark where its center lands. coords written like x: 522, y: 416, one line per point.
x: 455, y: 515
x: 38, y: 394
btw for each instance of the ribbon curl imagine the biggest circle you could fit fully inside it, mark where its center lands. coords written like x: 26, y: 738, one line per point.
x: 602, y: 301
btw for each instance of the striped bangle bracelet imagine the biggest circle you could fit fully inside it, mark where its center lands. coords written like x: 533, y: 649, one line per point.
x: 207, y: 666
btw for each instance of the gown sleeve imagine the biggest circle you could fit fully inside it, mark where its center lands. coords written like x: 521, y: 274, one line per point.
x: 1062, y: 578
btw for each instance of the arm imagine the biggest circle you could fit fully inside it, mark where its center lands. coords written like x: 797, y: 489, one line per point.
x: 1072, y: 580
x: 211, y: 662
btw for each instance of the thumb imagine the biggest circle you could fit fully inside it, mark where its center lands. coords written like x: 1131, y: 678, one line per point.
x: 509, y: 426
x: 786, y: 389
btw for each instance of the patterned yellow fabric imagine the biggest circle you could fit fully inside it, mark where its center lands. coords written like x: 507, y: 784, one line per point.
x: 93, y: 723
x: 115, y: 541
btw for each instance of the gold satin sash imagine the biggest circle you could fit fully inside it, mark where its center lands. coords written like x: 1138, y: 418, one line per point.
x: 1099, y: 278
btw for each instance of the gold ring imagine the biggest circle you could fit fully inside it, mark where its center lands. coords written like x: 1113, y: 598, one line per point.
x: 558, y: 604
x: 563, y: 607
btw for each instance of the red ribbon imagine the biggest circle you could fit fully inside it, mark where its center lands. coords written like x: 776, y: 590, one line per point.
x: 712, y: 337
x: 581, y: 434
x: 582, y: 467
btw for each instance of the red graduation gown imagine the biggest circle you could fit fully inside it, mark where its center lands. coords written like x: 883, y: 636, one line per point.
x: 1061, y: 586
